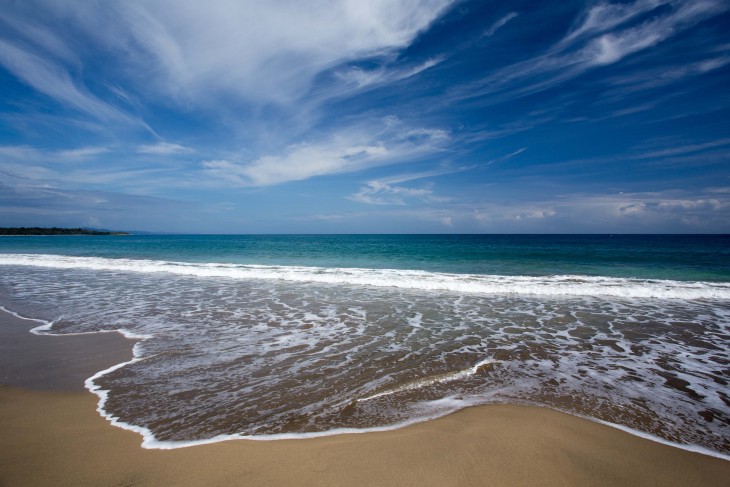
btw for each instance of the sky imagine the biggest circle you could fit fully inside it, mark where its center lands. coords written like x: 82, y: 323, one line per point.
x: 385, y: 116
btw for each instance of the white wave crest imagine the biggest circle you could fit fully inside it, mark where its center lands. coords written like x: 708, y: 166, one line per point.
x: 557, y: 285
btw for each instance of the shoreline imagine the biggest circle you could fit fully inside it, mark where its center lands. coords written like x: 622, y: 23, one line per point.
x: 150, y: 442
x: 56, y: 438
x: 33, y: 360
x: 50, y: 434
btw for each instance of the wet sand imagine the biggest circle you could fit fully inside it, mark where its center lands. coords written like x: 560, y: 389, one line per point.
x: 57, y: 438
x: 51, y: 363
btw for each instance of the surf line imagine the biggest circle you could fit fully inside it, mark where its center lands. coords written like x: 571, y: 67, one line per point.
x: 46, y: 329
x: 553, y: 285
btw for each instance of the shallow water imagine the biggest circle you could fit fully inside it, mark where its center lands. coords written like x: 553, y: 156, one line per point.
x: 260, y: 350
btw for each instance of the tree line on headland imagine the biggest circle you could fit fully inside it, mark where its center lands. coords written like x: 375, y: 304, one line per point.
x: 54, y: 231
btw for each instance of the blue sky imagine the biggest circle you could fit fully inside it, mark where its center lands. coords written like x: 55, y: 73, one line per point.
x: 415, y: 116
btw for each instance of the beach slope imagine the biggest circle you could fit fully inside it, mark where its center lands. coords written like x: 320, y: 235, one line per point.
x: 58, y: 438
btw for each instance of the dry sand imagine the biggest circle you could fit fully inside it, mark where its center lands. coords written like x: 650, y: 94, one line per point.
x: 57, y: 438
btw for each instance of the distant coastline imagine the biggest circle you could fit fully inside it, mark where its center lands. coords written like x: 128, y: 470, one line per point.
x: 55, y: 231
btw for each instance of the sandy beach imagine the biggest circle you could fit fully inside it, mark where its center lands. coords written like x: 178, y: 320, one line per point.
x: 52, y: 435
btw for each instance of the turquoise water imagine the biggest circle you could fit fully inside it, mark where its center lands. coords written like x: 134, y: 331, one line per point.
x: 269, y: 337
x: 684, y: 257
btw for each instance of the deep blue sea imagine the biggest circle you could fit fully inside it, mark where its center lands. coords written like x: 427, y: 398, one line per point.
x: 273, y: 336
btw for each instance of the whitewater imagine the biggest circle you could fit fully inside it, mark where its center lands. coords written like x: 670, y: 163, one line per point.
x: 556, y: 285
x: 270, y: 337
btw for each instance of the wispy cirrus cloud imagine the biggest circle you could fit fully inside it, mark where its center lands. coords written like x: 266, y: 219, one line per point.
x: 676, y: 150
x: 114, y: 63
x: 20, y: 152
x: 441, y: 170
x: 604, y: 16
x: 357, y: 78
x: 82, y: 153
x: 381, y: 193
x: 28, y: 154
x: 199, y: 51
x: 27, y: 165
x: 499, y: 24
x: 607, y: 34
x: 299, y: 162
x: 350, y: 150
x: 505, y: 157
x: 164, y: 148
x: 53, y: 79
x: 654, y: 78
x: 389, y: 190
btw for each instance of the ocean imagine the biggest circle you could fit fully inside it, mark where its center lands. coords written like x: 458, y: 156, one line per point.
x: 293, y: 336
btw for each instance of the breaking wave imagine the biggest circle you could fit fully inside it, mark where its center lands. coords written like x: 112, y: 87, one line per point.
x: 554, y: 285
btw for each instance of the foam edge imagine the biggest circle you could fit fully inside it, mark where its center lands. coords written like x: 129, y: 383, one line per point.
x: 150, y: 442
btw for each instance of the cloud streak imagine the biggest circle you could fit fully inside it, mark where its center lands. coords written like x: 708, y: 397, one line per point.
x: 380, y: 193
x: 604, y: 16
x: 499, y: 24
x: 53, y: 80
x: 255, y: 51
x: 352, y: 150
x: 164, y: 148
x: 593, y: 44
x: 358, y: 79
x: 27, y: 154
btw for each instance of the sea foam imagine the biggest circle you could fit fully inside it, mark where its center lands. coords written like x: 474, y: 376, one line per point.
x: 554, y: 285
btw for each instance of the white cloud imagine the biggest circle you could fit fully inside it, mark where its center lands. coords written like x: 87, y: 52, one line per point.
x: 82, y: 153
x: 666, y: 75
x: 301, y: 161
x: 53, y: 80
x: 606, y: 36
x: 683, y: 149
x: 611, y: 48
x: 439, y: 171
x: 359, y: 78
x: 19, y: 152
x: 604, y: 16
x: 27, y: 154
x: 347, y: 151
x: 505, y: 157
x: 499, y: 24
x: 518, y: 212
x: 14, y: 172
x: 164, y: 148
x: 614, y: 46
x: 380, y: 193
x: 258, y: 51
x: 36, y: 34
